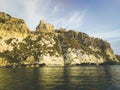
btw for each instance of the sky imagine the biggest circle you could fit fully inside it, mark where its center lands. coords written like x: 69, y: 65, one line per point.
x: 98, y: 18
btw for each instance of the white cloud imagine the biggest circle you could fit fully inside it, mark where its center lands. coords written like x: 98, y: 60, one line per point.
x: 35, y: 10
x: 2, y: 2
x: 72, y: 21
x: 55, y: 9
x: 107, y: 34
x: 30, y: 13
x: 29, y: 10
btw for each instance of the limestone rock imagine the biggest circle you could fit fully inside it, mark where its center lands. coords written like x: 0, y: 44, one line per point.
x: 118, y: 57
x: 4, y: 17
x: 44, y: 27
x: 11, y: 29
x: 49, y: 47
x: 78, y: 48
x: 12, y: 24
x: 3, y: 62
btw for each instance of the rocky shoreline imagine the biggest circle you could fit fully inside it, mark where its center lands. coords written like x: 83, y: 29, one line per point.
x: 43, y: 65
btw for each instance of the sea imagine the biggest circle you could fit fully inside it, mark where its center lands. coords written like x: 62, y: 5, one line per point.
x: 85, y: 77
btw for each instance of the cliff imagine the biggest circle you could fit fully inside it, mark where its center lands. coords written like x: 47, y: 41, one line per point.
x: 12, y: 30
x: 44, y: 27
x: 118, y: 57
x: 9, y: 23
x: 46, y: 46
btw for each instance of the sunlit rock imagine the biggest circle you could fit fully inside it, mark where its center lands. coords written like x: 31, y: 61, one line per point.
x: 46, y: 46
x: 44, y: 27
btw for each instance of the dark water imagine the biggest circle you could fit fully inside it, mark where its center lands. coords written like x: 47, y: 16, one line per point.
x: 61, y: 78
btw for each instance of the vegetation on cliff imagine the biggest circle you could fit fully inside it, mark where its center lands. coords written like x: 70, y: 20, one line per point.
x: 118, y: 57
x: 48, y: 46
x: 10, y: 23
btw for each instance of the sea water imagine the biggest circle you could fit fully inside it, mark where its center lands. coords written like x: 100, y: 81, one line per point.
x: 89, y: 77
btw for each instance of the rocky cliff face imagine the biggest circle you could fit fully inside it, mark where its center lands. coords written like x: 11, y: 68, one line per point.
x: 44, y: 27
x: 12, y: 30
x: 46, y: 46
x: 118, y: 57
x: 9, y: 23
x: 79, y: 48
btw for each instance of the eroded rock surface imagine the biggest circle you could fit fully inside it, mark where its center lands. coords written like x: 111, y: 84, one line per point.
x: 44, y: 27
x: 46, y: 46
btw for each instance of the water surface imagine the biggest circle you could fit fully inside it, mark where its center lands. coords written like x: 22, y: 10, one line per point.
x: 61, y: 78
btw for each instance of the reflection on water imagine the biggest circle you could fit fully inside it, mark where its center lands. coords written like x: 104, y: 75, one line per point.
x: 61, y: 78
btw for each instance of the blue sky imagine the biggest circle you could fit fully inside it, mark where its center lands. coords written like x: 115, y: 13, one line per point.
x: 98, y: 18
